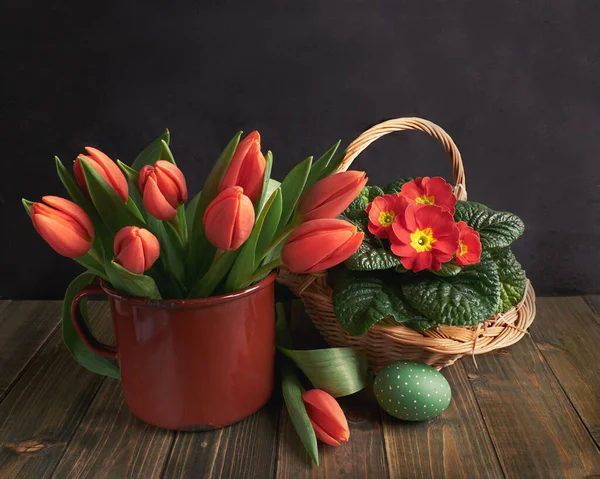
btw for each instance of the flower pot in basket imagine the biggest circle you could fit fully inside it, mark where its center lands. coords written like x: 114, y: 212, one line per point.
x: 191, y: 364
x: 437, y: 344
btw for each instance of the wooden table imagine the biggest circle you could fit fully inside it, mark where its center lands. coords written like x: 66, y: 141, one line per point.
x: 531, y: 410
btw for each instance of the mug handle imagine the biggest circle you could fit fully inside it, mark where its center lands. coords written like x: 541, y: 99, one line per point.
x: 82, y: 329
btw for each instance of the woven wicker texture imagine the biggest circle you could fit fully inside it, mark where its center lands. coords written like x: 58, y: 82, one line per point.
x: 387, y: 341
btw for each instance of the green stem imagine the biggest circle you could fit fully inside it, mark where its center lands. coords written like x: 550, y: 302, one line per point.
x: 265, y: 269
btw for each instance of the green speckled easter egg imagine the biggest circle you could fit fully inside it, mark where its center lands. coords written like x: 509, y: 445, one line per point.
x: 412, y: 391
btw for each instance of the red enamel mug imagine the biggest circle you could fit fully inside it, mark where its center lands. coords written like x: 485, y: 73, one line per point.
x: 192, y: 364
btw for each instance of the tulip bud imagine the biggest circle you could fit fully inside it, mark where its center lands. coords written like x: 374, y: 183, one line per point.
x: 229, y: 219
x: 247, y: 168
x: 163, y: 189
x: 318, y: 245
x: 136, y: 249
x: 326, y: 417
x: 106, y: 168
x: 332, y: 195
x: 64, y: 225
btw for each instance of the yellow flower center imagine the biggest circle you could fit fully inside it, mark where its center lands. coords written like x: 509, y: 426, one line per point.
x: 422, y: 240
x: 426, y: 200
x: 464, y: 249
x: 386, y: 218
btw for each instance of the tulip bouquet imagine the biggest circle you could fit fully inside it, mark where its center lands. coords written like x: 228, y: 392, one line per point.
x: 129, y: 224
x: 427, y: 259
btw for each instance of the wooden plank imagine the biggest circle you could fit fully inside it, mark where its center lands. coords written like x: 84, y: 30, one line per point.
x: 41, y: 412
x: 362, y: 456
x: 455, y: 444
x: 246, y: 449
x: 594, y: 302
x: 3, y: 304
x: 111, y: 442
x: 568, y: 336
x: 24, y: 327
x: 533, y: 426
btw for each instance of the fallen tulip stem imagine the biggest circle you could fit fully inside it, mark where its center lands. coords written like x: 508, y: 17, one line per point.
x: 265, y: 269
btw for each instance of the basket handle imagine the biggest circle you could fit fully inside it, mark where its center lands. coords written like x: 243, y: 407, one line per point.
x: 366, y: 138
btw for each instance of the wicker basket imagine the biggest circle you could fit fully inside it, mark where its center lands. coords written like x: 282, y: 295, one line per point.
x: 388, y: 341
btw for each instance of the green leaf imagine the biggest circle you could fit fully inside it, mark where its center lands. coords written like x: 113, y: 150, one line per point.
x: 292, y: 390
x: 360, y: 301
x: 396, y: 186
x: 334, y: 165
x: 356, y: 210
x: 112, y: 210
x: 264, y: 195
x: 151, y: 154
x: 338, y: 371
x: 190, y: 210
x: 200, y: 251
x: 79, y: 351
x: 269, y: 227
x: 512, y: 278
x: 291, y: 189
x: 292, y: 395
x: 138, y: 285
x: 27, y: 205
x: 496, y: 229
x: 205, y: 286
x: 92, y: 265
x: 132, y: 175
x: 165, y: 152
x: 462, y: 300
x: 319, y: 167
x: 369, y: 258
x: 448, y: 269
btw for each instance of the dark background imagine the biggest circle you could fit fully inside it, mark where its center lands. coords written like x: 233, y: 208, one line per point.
x: 516, y: 84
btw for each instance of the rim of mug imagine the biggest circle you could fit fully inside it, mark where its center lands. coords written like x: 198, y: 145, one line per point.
x: 192, y: 303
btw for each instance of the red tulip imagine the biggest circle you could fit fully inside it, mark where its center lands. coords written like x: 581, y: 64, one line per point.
x: 163, y: 188
x: 382, y: 211
x: 424, y: 237
x: 64, y: 225
x: 229, y: 219
x: 320, y: 244
x: 469, y: 245
x: 106, y: 168
x: 326, y: 417
x: 247, y: 168
x: 332, y: 195
x: 136, y: 249
x: 430, y: 191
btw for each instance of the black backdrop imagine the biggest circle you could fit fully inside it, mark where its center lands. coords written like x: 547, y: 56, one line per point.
x: 516, y: 83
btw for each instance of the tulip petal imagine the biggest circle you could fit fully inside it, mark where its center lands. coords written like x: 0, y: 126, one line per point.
x: 151, y: 247
x: 120, y: 238
x: 73, y: 210
x: 327, y: 413
x: 171, y: 171
x: 231, y: 175
x: 244, y: 222
x: 340, y: 255
x: 131, y: 256
x: 116, y: 178
x: 304, y: 255
x: 61, y: 238
x: 155, y: 203
x: 219, y: 221
x: 322, y: 435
